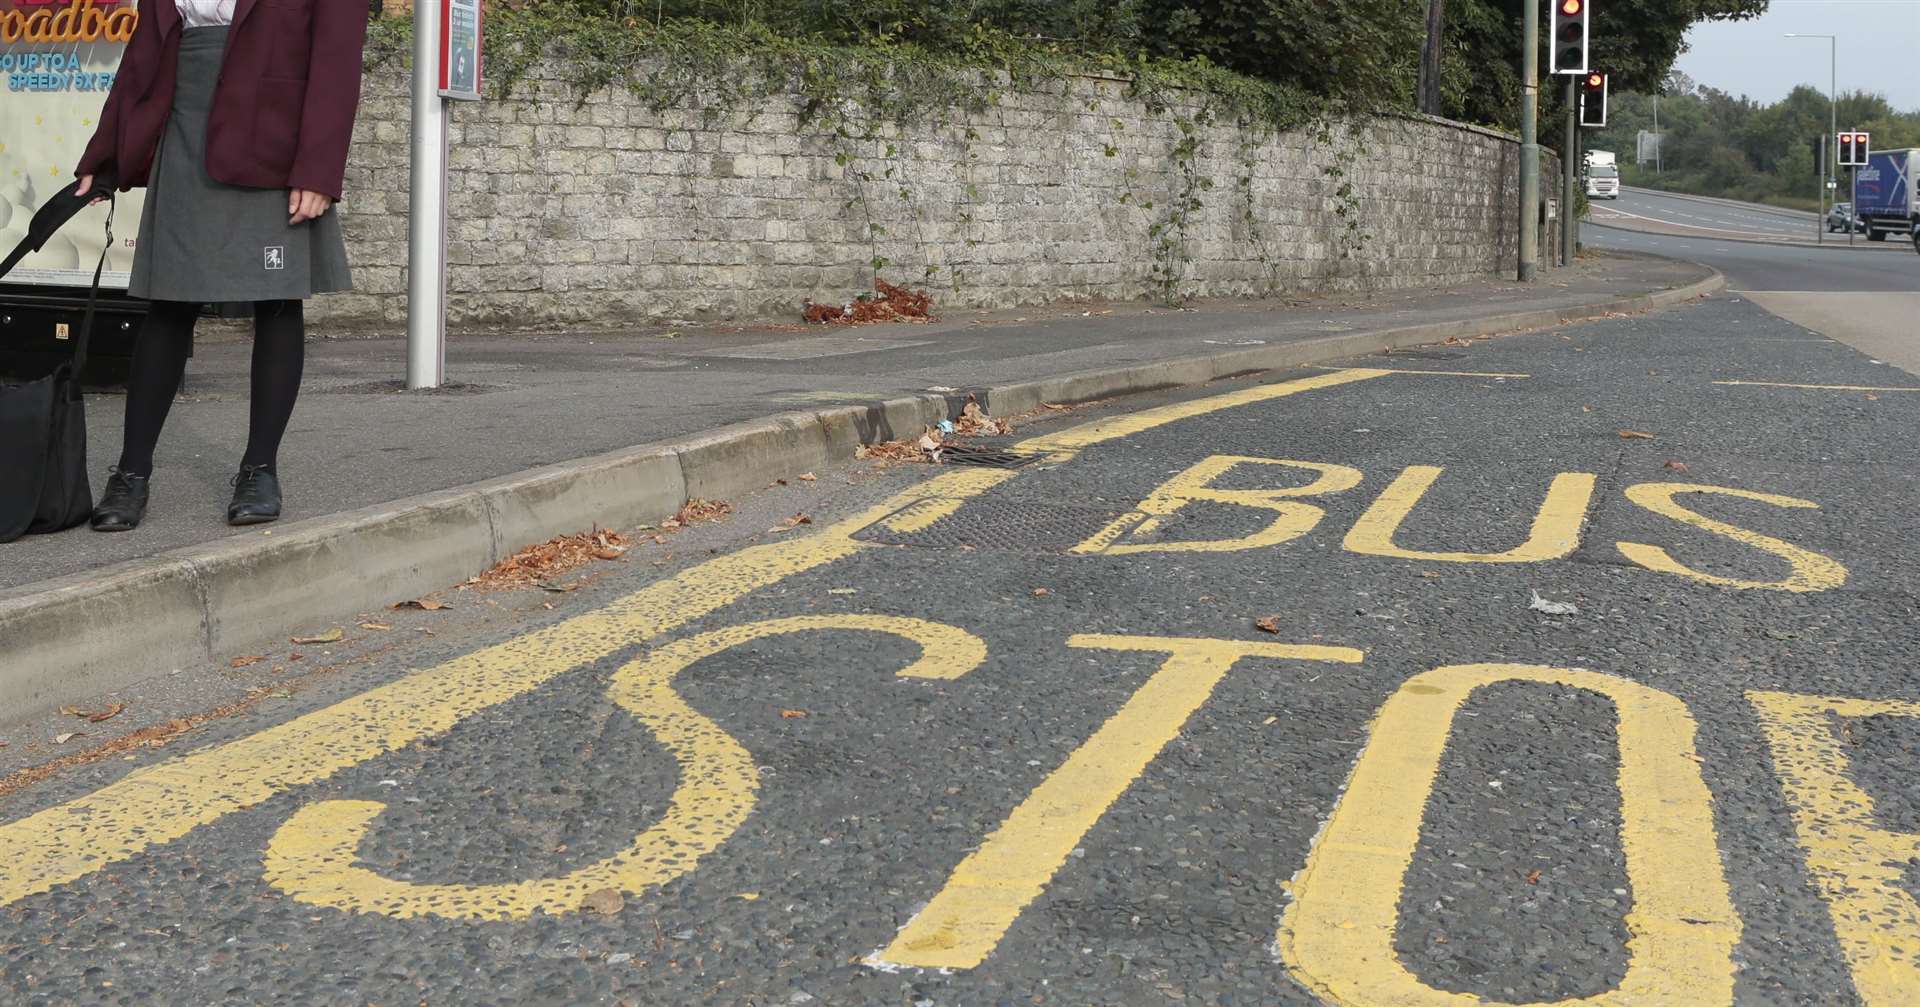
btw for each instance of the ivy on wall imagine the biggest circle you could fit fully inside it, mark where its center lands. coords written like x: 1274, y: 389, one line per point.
x: 854, y: 97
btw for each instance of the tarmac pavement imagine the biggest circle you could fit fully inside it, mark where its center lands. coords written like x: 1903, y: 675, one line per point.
x: 1567, y: 665
x: 528, y: 399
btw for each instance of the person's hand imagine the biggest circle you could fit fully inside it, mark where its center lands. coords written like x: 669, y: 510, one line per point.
x: 303, y: 205
x: 86, y: 185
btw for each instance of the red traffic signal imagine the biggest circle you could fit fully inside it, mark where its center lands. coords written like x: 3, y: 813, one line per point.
x: 1853, y: 149
x: 1593, y: 99
x: 1567, y: 43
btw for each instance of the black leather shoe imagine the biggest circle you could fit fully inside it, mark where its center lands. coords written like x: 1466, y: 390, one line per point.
x: 123, y: 503
x: 256, y: 496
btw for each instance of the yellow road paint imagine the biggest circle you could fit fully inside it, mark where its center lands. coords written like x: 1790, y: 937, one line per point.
x: 1292, y: 520
x: 988, y: 890
x: 1076, y: 439
x: 1555, y: 534
x: 1811, y: 571
x: 161, y: 803
x: 312, y: 856
x: 1817, y: 388
x: 1861, y: 868
x: 1337, y: 935
x: 1451, y: 374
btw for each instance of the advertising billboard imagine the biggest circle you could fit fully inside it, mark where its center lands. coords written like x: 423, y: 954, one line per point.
x: 57, y: 62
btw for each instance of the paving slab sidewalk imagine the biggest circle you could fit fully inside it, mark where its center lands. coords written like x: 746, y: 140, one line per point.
x: 530, y: 399
x: 392, y: 494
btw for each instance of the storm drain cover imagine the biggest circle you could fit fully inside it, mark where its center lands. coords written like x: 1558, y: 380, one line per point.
x: 984, y: 457
x: 1000, y: 525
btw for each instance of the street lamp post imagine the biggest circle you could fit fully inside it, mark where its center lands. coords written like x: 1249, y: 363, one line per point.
x: 1833, y: 128
x: 1529, y: 141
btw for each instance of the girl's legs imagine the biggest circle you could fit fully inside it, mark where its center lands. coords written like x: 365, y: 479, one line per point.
x: 159, y: 359
x: 279, y: 358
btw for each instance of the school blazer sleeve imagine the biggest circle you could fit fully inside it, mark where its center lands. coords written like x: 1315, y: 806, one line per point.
x: 333, y: 97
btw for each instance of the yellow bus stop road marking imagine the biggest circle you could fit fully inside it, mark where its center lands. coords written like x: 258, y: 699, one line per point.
x: 161, y: 803
x: 157, y: 804
x: 988, y: 890
x: 1817, y: 388
x: 1337, y: 935
x: 312, y: 856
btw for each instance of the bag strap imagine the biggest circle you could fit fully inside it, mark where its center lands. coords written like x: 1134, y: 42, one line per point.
x: 85, y: 340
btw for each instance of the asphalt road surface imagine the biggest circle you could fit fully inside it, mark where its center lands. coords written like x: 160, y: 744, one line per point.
x: 1863, y: 297
x: 1712, y: 218
x: 1576, y: 664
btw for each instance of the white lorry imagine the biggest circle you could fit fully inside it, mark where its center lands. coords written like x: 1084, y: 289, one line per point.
x: 1603, y: 175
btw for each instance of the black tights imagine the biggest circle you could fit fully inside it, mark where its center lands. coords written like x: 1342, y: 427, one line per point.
x: 160, y: 358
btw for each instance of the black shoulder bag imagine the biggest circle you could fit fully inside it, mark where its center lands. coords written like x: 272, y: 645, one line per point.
x: 43, y: 426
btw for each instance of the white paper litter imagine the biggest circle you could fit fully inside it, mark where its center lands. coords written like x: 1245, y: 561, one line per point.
x: 1552, y: 607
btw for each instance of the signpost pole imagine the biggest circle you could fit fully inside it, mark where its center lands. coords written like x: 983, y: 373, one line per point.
x: 1530, y: 141
x: 427, y: 223
x: 1570, y: 173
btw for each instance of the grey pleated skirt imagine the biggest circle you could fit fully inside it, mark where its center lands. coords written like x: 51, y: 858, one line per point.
x: 206, y: 241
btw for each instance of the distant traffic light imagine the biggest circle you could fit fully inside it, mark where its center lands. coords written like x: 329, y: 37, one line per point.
x: 1567, y: 47
x: 1593, y: 99
x: 1853, y: 149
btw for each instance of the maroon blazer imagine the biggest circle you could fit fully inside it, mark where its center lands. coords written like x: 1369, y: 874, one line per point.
x: 282, y: 111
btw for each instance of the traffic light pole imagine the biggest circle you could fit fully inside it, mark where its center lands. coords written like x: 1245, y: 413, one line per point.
x: 1530, y: 142
x: 1570, y: 173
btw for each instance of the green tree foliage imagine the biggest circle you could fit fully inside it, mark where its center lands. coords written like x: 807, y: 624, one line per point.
x: 1363, y: 53
x: 1634, y: 41
x: 1718, y: 144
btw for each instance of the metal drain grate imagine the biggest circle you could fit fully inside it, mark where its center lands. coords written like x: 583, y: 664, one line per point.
x: 981, y: 457
x: 1000, y: 525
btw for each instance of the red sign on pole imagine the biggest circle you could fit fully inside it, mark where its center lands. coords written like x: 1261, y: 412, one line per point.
x: 460, y: 49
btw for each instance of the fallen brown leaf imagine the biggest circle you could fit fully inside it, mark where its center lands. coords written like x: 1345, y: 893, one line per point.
x: 61, y: 739
x: 808, y: 477
x: 334, y: 635
x: 247, y: 661
x: 1635, y: 435
x: 791, y: 523
x: 1533, y: 876
x: 1042, y: 592
x: 1271, y: 624
x: 375, y: 626
x: 107, y: 714
x: 424, y: 605
x: 606, y: 902
x: 1674, y: 465
x: 792, y: 714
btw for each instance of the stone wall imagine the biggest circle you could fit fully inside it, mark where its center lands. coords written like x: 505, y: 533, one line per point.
x: 607, y: 211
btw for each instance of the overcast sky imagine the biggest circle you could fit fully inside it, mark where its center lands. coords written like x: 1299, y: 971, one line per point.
x: 1879, y: 49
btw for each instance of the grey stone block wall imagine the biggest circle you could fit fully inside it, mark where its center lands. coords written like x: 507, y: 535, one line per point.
x: 605, y: 211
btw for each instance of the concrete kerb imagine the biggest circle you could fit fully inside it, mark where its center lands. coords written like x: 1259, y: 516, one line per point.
x: 106, y: 630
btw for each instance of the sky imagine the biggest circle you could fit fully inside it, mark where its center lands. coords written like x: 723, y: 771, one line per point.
x: 1879, y: 50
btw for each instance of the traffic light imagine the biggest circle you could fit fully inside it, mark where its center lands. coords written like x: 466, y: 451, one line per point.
x: 1593, y: 99
x: 1567, y: 47
x: 1853, y: 149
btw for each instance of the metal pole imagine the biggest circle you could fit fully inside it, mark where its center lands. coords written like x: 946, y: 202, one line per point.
x: 1833, y: 136
x: 1656, y: 134
x: 427, y: 214
x: 1833, y: 123
x: 1530, y: 142
x: 1569, y: 173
